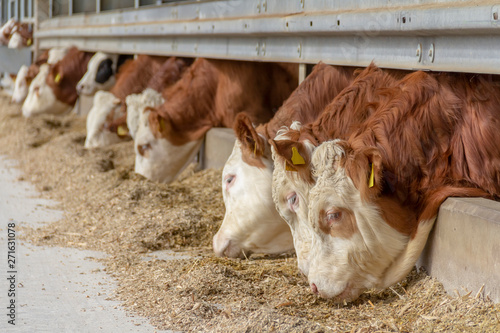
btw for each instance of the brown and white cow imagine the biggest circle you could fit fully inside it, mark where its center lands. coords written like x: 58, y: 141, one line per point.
x: 21, y: 35
x: 339, y: 119
x: 101, y: 72
x: 55, y: 88
x: 109, y: 107
x: 210, y: 94
x: 376, y: 195
x: 251, y: 222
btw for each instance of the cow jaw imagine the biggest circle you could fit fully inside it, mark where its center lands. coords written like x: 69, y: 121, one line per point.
x: 352, y: 244
x: 158, y: 159
x: 15, y: 41
x: 20, y: 85
x: 251, y: 222
x: 41, y: 98
x: 105, y: 106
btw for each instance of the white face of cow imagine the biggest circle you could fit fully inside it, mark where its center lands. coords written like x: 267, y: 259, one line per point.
x: 353, y: 248
x: 158, y: 159
x: 20, y: 86
x: 251, y: 222
x: 41, y: 98
x: 7, y: 27
x: 100, y: 74
x: 106, y: 107
x: 290, y: 196
x: 135, y: 107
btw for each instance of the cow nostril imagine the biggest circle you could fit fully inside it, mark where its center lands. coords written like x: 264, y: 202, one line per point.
x: 314, y: 288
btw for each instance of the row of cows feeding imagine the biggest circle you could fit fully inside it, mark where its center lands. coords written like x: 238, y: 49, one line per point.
x: 348, y: 168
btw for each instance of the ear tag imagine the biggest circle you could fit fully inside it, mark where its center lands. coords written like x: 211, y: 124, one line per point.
x: 371, y: 181
x: 122, y: 130
x: 288, y: 167
x: 162, y: 124
x: 28, y: 42
x: 57, y: 79
x: 296, y: 158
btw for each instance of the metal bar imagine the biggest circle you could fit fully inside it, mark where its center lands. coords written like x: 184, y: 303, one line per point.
x: 51, y: 8
x: 98, y: 6
x: 137, y: 3
x: 302, y: 72
x: 70, y: 7
x: 30, y: 8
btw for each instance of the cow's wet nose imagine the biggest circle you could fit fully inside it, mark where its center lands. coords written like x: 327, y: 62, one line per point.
x: 314, y: 289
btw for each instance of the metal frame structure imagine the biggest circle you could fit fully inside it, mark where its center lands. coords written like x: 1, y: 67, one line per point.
x: 447, y: 35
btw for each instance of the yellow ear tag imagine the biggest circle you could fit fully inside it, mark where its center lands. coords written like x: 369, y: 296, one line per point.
x: 162, y: 124
x: 288, y: 167
x: 371, y: 181
x: 28, y: 42
x: 121, y: 130
x: 296, y: 158
x: 57, y: 79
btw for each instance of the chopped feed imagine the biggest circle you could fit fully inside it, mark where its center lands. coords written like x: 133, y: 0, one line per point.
x: 110, y: 208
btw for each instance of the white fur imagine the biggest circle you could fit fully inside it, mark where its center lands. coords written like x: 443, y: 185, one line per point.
x: 15, y: 41
x: 21, y: 86
x: 251, y: 222
x: 87, y: 85
x: 344, y: 268
x: 162, y: 161
x: 41, y: 98
x: 136, y: 104
x: 284, y: 184
x: 56, y: 54
x: 7, y: 26
x: 105, y: 106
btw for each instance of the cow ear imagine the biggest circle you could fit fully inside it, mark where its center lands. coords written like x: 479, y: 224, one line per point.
x: 366, y: 171
x: 160, y: 126
x: 295, y: 156
x: 251, y: 143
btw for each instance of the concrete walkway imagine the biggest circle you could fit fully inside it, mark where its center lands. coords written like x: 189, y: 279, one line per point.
x: 53, y: 289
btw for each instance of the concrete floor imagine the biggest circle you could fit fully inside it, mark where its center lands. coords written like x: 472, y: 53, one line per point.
x: 56, y: 289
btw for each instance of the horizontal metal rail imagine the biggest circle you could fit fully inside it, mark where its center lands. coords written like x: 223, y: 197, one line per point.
x: 448, y: 35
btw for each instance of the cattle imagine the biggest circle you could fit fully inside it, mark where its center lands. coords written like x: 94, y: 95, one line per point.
x: 21, y: 35
x: 6, y: 30
x: 210, y: 94
x: 101, y: 72
x: 56, y: 92
x: 8, y: 81
x: 251, y: 222
x: 290, y: 195
x: 375, y: 195
x: 27, y: 74
x: 107, y: 120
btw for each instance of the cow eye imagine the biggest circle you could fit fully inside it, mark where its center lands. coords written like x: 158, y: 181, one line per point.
x: 228, y: 180
x: 333, y: 217
x: 292, y: 200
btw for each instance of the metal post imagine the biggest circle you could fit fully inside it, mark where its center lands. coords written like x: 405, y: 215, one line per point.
x: 30, y: 8
x: 137, y: 3
x: 70, y: 7
x: 158, y: 2
x: 98, y: 6
x: 302, y: 72
x: 22, y: 15
x: 51, y: 4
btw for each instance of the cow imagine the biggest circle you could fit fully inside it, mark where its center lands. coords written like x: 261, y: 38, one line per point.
x: 56, y: 92
x: 101, y: 72
x: 107, y: 120
x: 6, y: 30
x: 8, y: 81
x: 210, y: 94
x: 21, y: 35
x: 350, y: 107
x: 375, y: 195
x: 251, y: 222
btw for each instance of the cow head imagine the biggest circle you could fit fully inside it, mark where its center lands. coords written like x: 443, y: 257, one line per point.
x: 100, y: 74
x: 251, y: 222
x: 355, y: 245
x: 136, y: 103
x: 290, y: 190
x: 156, y: 157
x: 106, y: 108
x: 41, y: 98
x: 20, y: 85
x: 20, y: 36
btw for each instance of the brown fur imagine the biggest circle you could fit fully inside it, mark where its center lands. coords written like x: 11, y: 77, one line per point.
x: 305, y: 104
x: 144, y: 72
x: 70, y: 69
x: 34, y: 68
x: 212, y: 92
x: 339, y: 118
x: 25, y: 31
x: 437, y: 136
